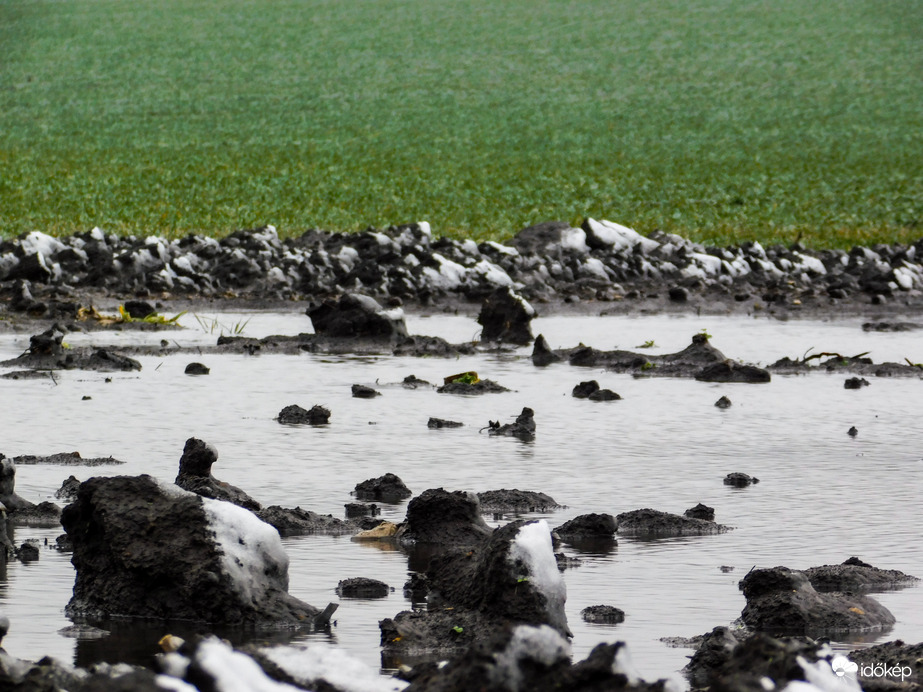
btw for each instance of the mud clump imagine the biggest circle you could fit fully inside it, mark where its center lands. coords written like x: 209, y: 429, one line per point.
x: 443, y: 518
x: 437, y: 423
x: 362, y: 587
x: 724, y: 661
x: 740, y: 480
x: 295, y: 415
x: 476, y: 388
x: 730, y: 371
x: 360, y: 391
x: 414, y: 382
x: 592, y: 391
x: 542, y: 355
x: 588, y: 527
x: 523, y: 428
x: 298, y: 522
x: 783, y: 601
x: 11, y: 501
x: 515, y: 501
x: 68, y: 489
x: 855, y: 383
x: 603, y: 614
x: 355, y: 316
x: 700, y: 511
x: 531, y: 658
x: 196, y: 477
x: 196, y: 369
x: 47, y: 352
x: 652, y: 522
x: 147, y: 550
x: 507, y: 577
x: 857, y: 576
x: 505, y: 318
x: 20, y: 510
x: 585, y: 389
x: 387, y: 488
x: 361, y: 509
x: 65, y: 459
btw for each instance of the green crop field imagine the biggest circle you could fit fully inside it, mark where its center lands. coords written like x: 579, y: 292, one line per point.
x: 721, y: 120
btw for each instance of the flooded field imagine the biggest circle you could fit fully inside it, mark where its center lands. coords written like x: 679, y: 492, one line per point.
x: 824, y: 496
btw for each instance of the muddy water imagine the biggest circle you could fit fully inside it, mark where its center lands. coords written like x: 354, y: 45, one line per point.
x: 824, y: 496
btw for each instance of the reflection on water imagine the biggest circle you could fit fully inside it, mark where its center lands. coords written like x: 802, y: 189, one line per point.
x: 823, y: 496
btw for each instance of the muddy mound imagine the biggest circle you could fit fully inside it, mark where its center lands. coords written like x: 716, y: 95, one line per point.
x: 444, y: 518
x: 497, y: 501
x: 652, y: 522
x: 387, y: 488
x: 522, y: 428
x: 11, y: 501
x: 355, y: 316
x: 783, y: 601
x: 530, y: 658
x: 65, y: 459
x: 296, y: 415
x: 588, y: 527
x: 150, y: 550
x: 195, y: 476
x: 723, y: 661
x: 700, y: 360
x: 47, y: 352
x: 298, y: 522
x: 505, y: 318
x: 855, y: 575
x: 509, y: 577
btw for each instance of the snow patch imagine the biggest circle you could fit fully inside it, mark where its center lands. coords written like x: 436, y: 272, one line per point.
x: 502, y: 249
x: 165, y: 682
x: 532, y: 546
x: 276, y: 275
x: 574, y: 239
x: 38, y: 243
x: 622, y: 665
x: 906, y: 276
x: 234, y: 671
x: 250, y: 548
x: 492, y: 274
x: 348, y: 257
x: 757, y: 250
x: 736, y: 267
x: 7, y: 262
x: 450, y: 275
x: 541, y: 644
x: 820, y: 675
x: 306, y: 664
x: 709, y: 263
x: 184, y: 262
x: 770, y: 268
x: 594, y: 267
x: 381, y: 239
x: 620, y: 237
x: 174, y: 664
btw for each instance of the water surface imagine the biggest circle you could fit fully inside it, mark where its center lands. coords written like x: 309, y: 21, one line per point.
x: 823, y: 496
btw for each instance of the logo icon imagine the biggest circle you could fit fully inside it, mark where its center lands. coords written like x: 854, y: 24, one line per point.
x: 842, y: 665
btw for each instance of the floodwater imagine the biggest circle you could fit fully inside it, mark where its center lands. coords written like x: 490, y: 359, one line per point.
x: 823, y: 497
